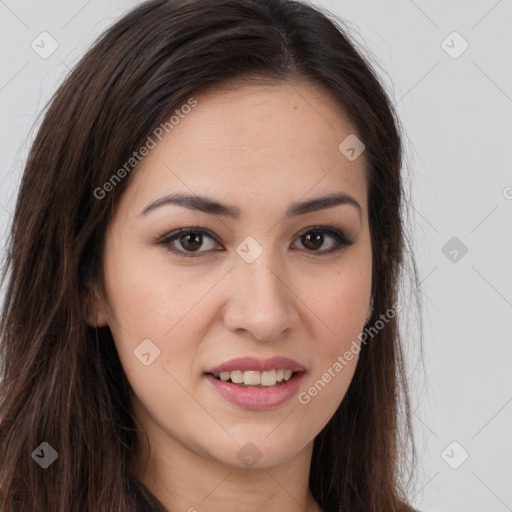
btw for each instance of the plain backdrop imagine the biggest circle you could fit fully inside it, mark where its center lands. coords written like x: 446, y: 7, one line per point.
x: 446, y: 65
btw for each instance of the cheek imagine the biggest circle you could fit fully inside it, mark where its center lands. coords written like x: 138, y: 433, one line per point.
x: 339, y: 299
x: 341, y: 311
x: 337, y: 305
x: 156, y: 319
x: 150, y: 297
x: 344, y: 302
x: 154, y: 301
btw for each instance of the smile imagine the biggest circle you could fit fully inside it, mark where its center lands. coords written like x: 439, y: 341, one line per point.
x: 255, y: 378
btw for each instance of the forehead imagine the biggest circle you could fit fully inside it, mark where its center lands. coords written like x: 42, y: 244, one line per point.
x: 269, y: 117
x: 276, y: 141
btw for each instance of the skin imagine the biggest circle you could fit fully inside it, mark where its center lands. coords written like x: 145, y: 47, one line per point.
x: 260, y: 147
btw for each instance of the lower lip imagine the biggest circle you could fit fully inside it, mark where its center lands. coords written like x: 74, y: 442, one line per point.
x: 257, y: 398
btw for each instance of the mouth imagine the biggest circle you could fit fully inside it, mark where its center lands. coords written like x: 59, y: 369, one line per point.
x: 254, y: 390
x: 256, y: 379
x: 256, y: 384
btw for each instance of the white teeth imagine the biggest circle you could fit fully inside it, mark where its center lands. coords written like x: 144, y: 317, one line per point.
x: 255, y: 378
x: 252, y: 378
x: 237, y: 377
x: 269, y: 378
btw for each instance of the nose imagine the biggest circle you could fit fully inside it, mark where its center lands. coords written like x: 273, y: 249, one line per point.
x: 261, y: 302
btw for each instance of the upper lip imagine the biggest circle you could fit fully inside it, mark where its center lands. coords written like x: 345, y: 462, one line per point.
x: 260, y: 365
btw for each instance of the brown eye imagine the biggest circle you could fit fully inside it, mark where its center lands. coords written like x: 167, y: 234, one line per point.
x: 189, y: 242
x: 315, y: 238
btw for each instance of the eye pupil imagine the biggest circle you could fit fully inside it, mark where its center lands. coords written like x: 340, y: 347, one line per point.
x: 312, y: 238
x: 191, y: 242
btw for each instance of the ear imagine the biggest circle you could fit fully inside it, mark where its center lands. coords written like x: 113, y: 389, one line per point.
x: 95, y: 312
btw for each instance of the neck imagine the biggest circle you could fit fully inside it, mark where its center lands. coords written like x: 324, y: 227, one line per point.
x: 183, y: 480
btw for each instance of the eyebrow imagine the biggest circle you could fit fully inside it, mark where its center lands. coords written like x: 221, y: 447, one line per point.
x: 212, y: 207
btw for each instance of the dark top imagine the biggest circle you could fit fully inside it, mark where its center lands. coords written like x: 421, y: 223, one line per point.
x: 148, y: 503
x: 145, y: 500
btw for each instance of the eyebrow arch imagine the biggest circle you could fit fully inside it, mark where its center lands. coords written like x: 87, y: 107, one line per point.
x: 210, y: 206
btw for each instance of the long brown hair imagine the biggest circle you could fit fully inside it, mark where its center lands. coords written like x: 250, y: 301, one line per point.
x: 62, y: 381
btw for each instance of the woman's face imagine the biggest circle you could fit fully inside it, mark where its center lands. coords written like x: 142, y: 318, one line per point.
x: 259, y: 277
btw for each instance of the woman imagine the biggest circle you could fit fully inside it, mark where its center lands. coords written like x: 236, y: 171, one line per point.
x: 203, y: 269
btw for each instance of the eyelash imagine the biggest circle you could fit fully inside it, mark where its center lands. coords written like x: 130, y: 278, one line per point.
x: 341, y: 239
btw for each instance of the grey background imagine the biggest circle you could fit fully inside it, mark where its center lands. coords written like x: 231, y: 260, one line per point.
x: 457, y: 115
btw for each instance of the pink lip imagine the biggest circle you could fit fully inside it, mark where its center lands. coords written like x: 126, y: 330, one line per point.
x: 260, y: 365
x: 257, y: 398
